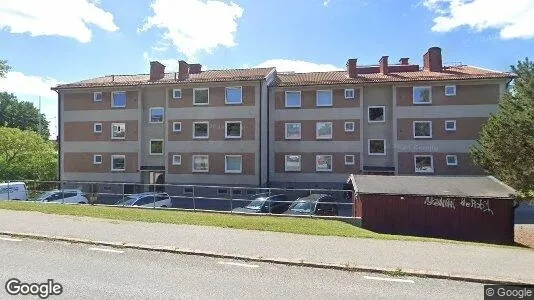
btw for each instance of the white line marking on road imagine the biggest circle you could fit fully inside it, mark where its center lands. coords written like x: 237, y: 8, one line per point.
x: 106, y: 250
x: 238, y: 264
x: 10, y: 239
x: 388, y: 279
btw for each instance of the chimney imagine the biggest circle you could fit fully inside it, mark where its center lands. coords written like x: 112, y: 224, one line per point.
x: 432, y: 60
x: 384, y: 65
x: 157, y: 70
x: 183, y: 70
x: 404, y: 61
x: 351, y: 67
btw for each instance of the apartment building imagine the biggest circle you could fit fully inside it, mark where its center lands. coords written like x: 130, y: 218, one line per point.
x: 258, y: 127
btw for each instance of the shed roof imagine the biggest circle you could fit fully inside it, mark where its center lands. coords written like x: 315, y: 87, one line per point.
x: 460, y: 186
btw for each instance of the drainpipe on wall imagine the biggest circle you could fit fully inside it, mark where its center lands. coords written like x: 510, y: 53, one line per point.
x: 58, y: 137
x: 268, y: 181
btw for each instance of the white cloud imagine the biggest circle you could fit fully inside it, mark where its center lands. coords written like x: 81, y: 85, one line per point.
x: 67, y: 18
x: 514, y: 19
x: 284, y: 65
x: 194, y: 25
x: 326, y: 2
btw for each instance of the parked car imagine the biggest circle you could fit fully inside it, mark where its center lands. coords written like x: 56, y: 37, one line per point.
x: 147, y: 200
x: 263, y: 203
x: 13, y: 191
x: 314, y: 204
x: 71, y: 196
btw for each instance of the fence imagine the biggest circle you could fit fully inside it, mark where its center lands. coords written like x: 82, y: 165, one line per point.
x: 234, y: 199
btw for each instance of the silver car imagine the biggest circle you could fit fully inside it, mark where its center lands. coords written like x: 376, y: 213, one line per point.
x: 146, y: 200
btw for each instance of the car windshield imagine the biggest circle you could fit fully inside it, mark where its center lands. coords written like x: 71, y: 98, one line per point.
x: 44, y: 195
x: 129, y: 200
x: 256, y: 203
x: 301, y: 206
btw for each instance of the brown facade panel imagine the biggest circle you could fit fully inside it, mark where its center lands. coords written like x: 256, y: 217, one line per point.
x: 216, y: 130
x: 308, y: 159
x: 465, y: 95
x: 85, y: 101
x: 216, y: 97
x: 308, y: 99
x: 308, y: 130
x: 216, y: 163
x: 83, y: 162
x: 466, y: 128
x: 465, y: 165
x: 83, y: 131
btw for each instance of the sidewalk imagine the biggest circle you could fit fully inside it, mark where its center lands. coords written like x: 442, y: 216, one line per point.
x: 495, y: 263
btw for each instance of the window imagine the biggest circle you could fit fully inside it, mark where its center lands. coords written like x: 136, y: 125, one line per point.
x: 292, y: 163
x: 118, y: 131
x: 201, y: 130
x: 237, y: 192
x: 118, y: 99
x: 222, y: 192
x: 323, y: 130
x: 423, y: 164
x: 156, y: 147
x: 200, y: 163
x: 422, y: 129
x: 376, y: 147
x: 201, y: 96
x: 234, y: 95
x: 452, y: 160
x: 450, y: 125
x: 233, y: 163
x: 156, y: 114
x: 292, y: 98
x: 97, y: 96
x: 349, y: 159
x: 177, y: 94
x: 349, y: 126
x: 176, y: 126
x: 97, y: 159
x: 450, y: 90
x: 97, y: 127
x: 188, y: 190
x: 376, y: 114
x: 349, y: 93
x: 176, y: 159
x: 422, y: 95
x: 293, y: 131
x: 233, y: 129
x: 118, y: 163
x: 323, y: 163
x: 324, y: 98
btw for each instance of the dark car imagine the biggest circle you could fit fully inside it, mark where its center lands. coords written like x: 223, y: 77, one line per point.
x: 314, y: 204
x: 263, y: 203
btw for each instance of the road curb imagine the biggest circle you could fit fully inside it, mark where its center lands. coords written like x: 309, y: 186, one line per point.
x: 300, y: 263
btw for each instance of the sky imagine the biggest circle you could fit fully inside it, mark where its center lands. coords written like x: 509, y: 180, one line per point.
x: 60, y: 41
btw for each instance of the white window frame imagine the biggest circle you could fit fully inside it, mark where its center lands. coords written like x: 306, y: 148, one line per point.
x: 112, y: 131
x: 176, y: 159
x: 174, y: 93
x: 150, y: 115
x: 450, y: 129
x: 353, y: 159
x: 113, y: 99
x: 97, y: 162
x: 429, y: 94
x: 349, y: 123
x: 195, y: 96
x: 150, y: 146
x: 174, y: 126
x: 94, y: 96
x: 118, y: 156
x: 193, y: 163
x: 369, y: 147
x: 226, y: 136
x: 451, y: 156
x: 202, y: 137
x: 94, y: 127
x: 350, y: 90
x: 450, y: 86
x: 300, y: 99
x: 285, y: 162
x: 422, y: 137
x: 325, y: 170
x: 324, y: 137
x: 233, y: 171
x: 300, y: 131
x: 383, y: 113
x: 226, y: 95
x: 317, y: 98
x: 431, y: 163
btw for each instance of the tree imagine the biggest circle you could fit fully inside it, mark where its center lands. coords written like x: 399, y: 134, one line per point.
x: 4, y: 68
x: 505, y: 146
x: 25, y: 155
x: 22, y: 115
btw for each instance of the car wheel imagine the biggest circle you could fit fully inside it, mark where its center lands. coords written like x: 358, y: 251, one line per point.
x: 81, y: 203
x: 164, y: 206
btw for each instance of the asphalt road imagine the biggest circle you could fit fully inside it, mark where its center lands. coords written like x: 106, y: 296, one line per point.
x: 88, y: 272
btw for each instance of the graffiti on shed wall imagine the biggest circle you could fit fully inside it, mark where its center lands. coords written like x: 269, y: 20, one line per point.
x: 452, y: 203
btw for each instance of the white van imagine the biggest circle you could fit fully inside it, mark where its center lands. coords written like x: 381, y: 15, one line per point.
x: 13, y: 191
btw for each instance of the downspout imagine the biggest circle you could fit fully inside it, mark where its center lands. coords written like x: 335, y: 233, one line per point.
x: 58, y: 137
x: 268, y: 181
